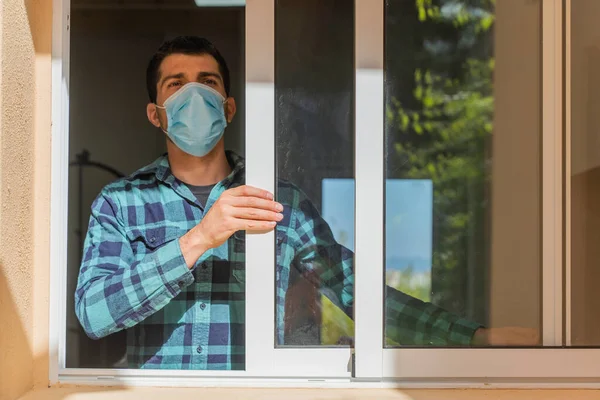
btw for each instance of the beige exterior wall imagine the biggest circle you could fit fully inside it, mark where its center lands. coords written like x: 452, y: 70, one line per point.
x: 25, y: 46
x: 25, y: 93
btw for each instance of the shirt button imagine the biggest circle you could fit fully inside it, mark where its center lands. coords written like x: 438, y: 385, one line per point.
x: 202, y: 306
x: 152, y: 239
x: 199, y: 349
x: 181, y: 284
x: 204, y: 266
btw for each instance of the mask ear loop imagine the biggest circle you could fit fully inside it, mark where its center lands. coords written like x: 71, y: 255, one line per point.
x: 163, y: 108
x: 225, y: 110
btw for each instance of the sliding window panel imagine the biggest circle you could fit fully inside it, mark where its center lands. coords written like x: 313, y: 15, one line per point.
x: 314, y: 146
x: 463, y: 173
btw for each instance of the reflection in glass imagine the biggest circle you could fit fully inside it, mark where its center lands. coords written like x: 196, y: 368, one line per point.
x: 462, y: 159
x: 314, y: 85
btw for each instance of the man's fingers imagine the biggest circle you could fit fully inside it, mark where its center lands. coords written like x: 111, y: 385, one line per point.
x: 256, y: 214
x: 255, y: 202
x: 250, y: 225
x: 251, y: 197
x: 250, y: 191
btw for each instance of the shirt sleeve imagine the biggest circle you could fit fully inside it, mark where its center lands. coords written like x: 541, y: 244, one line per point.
x: 115, y: 291
x: 319, y: 258
x: 410, y: 321
x: 330, y: 266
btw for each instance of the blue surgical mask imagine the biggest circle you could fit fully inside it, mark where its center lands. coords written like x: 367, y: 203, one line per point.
x: 196, y: 118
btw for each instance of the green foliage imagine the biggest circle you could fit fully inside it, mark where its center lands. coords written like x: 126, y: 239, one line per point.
x: 443, y: 133
x: 411, y: 282
x: 335, y: 323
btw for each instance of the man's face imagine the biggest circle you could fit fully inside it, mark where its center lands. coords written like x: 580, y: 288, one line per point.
x: 178, y: 69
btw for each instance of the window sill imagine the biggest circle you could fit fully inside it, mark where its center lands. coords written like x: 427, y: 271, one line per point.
x: 101, y: 393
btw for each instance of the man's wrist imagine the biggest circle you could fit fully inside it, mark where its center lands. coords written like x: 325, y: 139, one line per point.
x: 480, y: 337
x: 193, y: 245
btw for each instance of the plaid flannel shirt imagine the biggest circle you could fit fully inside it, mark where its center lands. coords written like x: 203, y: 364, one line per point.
x: 133, y: 275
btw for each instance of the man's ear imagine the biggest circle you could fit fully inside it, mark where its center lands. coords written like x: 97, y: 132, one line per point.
x: 230, y: 109
x: 152, y: 113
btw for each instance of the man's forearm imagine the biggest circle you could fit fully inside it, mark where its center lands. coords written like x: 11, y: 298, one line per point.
x: 410, y: 321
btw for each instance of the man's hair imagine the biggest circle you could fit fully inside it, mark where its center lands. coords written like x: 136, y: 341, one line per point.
x: 192, y: 45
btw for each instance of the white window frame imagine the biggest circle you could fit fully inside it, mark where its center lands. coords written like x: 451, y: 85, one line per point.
x: 375, y: 366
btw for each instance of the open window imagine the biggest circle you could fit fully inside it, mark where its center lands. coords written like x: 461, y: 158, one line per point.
x: 440, y: 151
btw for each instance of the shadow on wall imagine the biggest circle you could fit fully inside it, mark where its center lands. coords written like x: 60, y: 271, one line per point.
x: 16, y: 356
x: 15, y: 351
x: 39, y: 13
x: 17, y: 102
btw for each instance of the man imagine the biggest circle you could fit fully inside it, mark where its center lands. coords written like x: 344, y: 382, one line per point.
x: 164, y: 252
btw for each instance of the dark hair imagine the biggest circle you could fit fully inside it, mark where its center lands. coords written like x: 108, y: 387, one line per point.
x: 183, y: 45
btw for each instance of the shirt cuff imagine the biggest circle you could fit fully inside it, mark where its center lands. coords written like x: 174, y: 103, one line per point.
x: 172, y: 267
x: 462, y: 331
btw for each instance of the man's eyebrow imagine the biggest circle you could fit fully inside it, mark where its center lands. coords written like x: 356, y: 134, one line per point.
x: 172, y: 76
x: 209, y: 74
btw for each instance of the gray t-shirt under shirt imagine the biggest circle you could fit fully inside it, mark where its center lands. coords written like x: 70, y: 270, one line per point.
x: 201, y: 193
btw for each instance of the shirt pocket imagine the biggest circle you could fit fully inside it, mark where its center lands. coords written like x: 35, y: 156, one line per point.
x: 146, y: 240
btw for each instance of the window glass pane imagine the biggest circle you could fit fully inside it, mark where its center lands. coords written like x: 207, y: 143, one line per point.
x: 584, y: 172
x: 314, y: 84
x: 463, y: 181
x: 111, y: 45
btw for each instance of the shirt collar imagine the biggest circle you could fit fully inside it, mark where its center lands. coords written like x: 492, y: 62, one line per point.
x: 161, y: 169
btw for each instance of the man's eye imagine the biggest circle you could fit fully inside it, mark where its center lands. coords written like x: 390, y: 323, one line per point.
x: 210, y: 82
x: 173, y: 84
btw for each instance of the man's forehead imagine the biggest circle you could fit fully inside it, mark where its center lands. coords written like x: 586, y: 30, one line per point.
x: 188, y: 63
